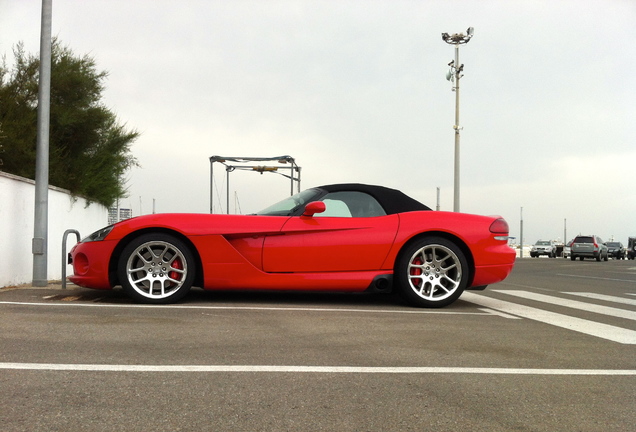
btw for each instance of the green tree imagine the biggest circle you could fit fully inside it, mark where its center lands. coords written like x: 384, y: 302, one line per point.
x: 89, y: 150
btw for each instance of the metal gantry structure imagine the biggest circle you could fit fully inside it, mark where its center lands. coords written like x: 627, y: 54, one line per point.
x: 277, y: 165
x: 454, y: 74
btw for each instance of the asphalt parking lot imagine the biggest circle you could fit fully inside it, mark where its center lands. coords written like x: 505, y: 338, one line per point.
x: 552, y: 348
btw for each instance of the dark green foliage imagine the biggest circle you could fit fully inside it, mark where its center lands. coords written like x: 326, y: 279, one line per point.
x: 89, y: 151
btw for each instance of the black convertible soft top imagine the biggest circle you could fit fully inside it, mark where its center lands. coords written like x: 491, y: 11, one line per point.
x: 392, y: 200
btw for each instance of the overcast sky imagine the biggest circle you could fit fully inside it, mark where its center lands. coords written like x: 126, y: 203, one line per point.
x: 356, y: 91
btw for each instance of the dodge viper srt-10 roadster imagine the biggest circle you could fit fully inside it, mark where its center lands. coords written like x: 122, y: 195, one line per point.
x: 343, y: 237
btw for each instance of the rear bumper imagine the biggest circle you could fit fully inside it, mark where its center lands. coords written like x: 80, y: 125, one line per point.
x: 594, y: 254
x: 489, y: 274
x: 494, y: 267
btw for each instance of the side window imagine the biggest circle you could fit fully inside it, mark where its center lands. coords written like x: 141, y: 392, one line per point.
x: 351, y: 204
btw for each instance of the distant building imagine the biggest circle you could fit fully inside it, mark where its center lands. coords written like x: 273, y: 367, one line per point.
x: 123, y: 214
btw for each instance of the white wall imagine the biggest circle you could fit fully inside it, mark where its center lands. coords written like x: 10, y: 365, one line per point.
x: 17, y: 208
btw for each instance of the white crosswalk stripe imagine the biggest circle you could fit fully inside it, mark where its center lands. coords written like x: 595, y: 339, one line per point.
x: 592, y: 328
x: 604, y: 297
x: 573, y: 304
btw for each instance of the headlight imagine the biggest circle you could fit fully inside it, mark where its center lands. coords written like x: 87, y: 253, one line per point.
x: 98, y: 235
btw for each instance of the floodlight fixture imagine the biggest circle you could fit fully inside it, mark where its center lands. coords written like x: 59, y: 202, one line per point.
x: 453, y: 75
x: 459, y: 38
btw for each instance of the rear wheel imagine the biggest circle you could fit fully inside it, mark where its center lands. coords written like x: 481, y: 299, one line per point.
x: 432, y: 272
x: 156, y: 268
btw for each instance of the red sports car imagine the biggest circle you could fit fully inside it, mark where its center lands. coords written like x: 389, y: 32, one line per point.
x: 343, y: 237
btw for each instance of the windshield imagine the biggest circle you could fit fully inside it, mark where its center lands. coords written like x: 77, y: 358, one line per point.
x: 287, y: 206
x: 543, y: 243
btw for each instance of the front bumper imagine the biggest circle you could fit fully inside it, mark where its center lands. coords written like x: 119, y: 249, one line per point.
x: 90, y: 262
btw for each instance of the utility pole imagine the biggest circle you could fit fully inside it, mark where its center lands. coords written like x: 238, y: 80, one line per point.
x: 39, y: 244
x: 521, y: 235
x: 454, y: 74
x: 437, y: 207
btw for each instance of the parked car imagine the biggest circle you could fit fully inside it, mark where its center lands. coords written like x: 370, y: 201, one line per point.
x: 616, y: 250
x: 344, y: 237
x: 543, y: 247
x: 631, y: 248
x: 588, y: 246
x: 567, y: 249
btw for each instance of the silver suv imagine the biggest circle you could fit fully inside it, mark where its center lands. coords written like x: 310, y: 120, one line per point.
x: 590, y: 246
x: 543, y: 247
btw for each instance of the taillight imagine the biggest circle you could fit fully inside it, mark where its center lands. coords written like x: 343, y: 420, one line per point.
x: 499, y: 226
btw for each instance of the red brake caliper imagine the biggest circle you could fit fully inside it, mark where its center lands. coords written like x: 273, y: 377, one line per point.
x: 177, y: 264
x: 416, y: 271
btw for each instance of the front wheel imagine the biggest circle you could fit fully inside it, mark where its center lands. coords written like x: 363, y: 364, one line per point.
x: 156, y: 268
x: 432, y: 272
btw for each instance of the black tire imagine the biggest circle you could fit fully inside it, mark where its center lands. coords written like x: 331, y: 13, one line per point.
x: 431, y: 272
x: 156, y: 268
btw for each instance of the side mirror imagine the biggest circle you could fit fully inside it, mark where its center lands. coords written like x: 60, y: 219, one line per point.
x: 314, y: 207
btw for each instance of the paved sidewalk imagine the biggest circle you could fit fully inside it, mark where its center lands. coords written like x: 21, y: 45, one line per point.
x: 53, y: 285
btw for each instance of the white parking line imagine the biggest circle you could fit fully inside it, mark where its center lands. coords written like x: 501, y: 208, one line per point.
x: 250, y: 308
x: 600, y: 330
x: 310, y: 369
x: 603, y: 297
x: 573, y: 304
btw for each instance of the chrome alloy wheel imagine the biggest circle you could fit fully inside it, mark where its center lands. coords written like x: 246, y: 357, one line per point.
x: 434, y: 272
x: 156, y: 269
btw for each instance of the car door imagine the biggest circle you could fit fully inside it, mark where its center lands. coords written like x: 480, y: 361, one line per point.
x: 353, y: 234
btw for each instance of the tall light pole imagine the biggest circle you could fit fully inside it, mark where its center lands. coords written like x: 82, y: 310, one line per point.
x: 454, y: 74
x: 39, y: 244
